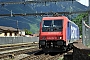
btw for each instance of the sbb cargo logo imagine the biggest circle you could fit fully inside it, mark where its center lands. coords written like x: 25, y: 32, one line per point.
x: 73, y: 32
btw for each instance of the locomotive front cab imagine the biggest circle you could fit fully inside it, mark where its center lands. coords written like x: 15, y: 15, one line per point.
x: 51, y: 34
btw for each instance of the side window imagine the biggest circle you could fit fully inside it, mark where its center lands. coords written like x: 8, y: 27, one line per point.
x: 68, y: 24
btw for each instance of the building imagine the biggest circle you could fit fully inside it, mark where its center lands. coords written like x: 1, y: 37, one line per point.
x: 8, y: 31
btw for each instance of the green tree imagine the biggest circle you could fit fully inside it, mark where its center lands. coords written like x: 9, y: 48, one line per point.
x: 27, y: 32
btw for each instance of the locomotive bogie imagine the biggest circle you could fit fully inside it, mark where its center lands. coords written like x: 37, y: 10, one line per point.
x: 51, y: 44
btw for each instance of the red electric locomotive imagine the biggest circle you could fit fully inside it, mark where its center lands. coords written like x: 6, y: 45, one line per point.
x: 55, y: 33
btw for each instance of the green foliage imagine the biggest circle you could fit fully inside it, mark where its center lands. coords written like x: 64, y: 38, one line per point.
x: 78, y: 20
x: 27, y: 32
x: 89, y: 55
x: 33, y: 28
x: 61, y: 58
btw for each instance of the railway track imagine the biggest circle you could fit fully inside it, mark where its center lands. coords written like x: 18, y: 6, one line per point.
x: 13, y: 50
x: 44, y: 56
x: 36, y: 54
x: 27, y: 52
x: 16, y: 46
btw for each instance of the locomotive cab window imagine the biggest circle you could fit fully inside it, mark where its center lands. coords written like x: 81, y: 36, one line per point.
x: 47, y: 23
x: 68, y: 24
x: 52, y: 25
x: 58, y: 23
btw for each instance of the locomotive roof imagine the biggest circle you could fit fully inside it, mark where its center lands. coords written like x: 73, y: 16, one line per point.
x: 72, y: 22
x: 54, y: 17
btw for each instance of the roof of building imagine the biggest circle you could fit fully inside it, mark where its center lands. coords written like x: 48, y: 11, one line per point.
x: 7, y: 28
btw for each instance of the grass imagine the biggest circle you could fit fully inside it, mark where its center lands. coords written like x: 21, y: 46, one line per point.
x: 60, y: 58
x: 88, y: 54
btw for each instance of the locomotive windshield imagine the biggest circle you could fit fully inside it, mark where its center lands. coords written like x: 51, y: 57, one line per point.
x: 52, y: 25
x: 47, y: 23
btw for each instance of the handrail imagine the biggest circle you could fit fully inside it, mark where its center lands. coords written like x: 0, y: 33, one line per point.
x: 86, y: 24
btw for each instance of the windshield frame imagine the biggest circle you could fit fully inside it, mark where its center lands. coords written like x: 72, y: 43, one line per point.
x: 52, y: 26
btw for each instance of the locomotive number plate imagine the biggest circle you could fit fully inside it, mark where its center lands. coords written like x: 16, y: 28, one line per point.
x: 51, y: 38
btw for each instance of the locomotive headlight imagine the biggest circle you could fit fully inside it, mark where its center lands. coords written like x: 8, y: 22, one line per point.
x: 60, y: 37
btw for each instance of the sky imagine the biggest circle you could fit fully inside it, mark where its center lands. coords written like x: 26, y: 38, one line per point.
x: 84, y: 2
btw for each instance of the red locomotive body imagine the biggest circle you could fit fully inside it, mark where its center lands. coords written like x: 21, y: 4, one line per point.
x: 53, y: 33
